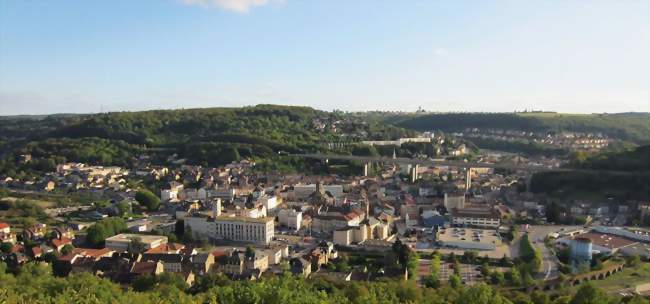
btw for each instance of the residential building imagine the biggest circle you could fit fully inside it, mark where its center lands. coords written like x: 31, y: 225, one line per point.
x: 235, y: 228
x: 290, y: 218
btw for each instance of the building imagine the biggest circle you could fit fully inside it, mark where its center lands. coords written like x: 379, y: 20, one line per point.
x: 232, y: 228
x: 331, y: 221
x: 581, y: 249
x: 5, y: 234
x: 170, y: 262
x: 479, y: 217
x: 454, y: 201
x: 290, y: 218
x: 122, y: 241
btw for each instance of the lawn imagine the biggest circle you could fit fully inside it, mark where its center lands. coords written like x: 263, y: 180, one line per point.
x: 628, y: 278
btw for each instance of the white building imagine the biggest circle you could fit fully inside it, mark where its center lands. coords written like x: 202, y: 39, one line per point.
x: 270, y: 202
x: 290, y: 218
x: 122, y: 241
x: 480, y: 217
x: 234, y: 228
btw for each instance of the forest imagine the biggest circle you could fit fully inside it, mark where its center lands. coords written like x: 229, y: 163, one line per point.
x: 628, y: 180
x: 210, y: 136
x: 632, y: 127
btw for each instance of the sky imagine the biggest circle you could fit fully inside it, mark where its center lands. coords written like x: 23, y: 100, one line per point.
x: 494, y: 56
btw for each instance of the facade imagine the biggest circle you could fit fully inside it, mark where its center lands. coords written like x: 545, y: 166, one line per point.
x: 290, y: 218
x: 239, y: 229
x: 479, y: 217
x: 454, y: 201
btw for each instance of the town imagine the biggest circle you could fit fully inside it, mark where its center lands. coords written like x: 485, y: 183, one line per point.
x: 465, y: 224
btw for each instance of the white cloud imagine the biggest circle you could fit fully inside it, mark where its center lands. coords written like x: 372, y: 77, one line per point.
x: 240, y: 6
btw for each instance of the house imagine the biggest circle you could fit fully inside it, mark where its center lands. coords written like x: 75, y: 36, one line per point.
x: 290, y: 218
x: 63, y: 232
x: 5, y: 234
x: 258, y: 262
x: 146, y: 268
x: 233, y: 264
x: 170, y: 262
x: 35, y: 232
x: 202, y: 262
x: 300, y: 266
x: 5, y: 228
x: 58, y: 244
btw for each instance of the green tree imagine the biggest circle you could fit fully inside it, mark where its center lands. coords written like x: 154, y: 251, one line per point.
x: 67, y: 248
x: 6, y: 247
x: 148, y: 200
x: 455, y: 281
x: 481, y: 294
x: 589, y: 294
x: 123, y: 208
x: 136, y: 246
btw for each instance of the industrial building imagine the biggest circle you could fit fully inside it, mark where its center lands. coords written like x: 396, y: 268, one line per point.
x: 122, y: 241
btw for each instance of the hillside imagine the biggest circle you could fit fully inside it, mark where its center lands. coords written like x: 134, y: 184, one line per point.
x: 210, y: 136
x: 632, y: 181
x: 633, y: 127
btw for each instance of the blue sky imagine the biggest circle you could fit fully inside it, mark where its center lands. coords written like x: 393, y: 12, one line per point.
x: 91, y: 55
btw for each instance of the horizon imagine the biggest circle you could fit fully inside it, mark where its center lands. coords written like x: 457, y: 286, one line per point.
x: 529, y: 111
x: 93, y: 57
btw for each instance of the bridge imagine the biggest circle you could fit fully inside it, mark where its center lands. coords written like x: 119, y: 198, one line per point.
x: 431, y: 162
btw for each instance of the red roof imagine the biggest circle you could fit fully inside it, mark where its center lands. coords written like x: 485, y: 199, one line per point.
x: 144, y: 267
x: 4, y: 225
x: 167, y: 248
x: 61, y: 242
x: 218, y: 253
x: 36, y: 251
x: 96, y: 253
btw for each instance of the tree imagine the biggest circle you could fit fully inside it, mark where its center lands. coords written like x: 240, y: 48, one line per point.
x: 513, y: 277
x: 539, y: 297
x: 589, y: 294
x: 633, y: 261
x: 455, y: 281
x: 136, y: 246
x: 433, y: 281
x: 148, y: 200
x: 497, y: 278
x: 250, y: 252
x: 123, y: 208
x: 143, y: 283
x: 6, y: 247
x: 485, y: 269
x: 481, y: 294
x: 67, y: 248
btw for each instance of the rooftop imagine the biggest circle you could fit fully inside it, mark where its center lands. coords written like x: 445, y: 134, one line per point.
x: 606, y: 240
x: 261, y: 220
x: 475, y: 212
x: 126, y: 237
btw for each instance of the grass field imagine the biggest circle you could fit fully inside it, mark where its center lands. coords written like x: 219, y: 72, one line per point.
x: 628, y: 278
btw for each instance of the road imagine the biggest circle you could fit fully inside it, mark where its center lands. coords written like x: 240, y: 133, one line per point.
x: 550, y: 262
